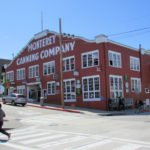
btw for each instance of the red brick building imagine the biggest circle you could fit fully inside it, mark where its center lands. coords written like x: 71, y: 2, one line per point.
x: 93, y: 71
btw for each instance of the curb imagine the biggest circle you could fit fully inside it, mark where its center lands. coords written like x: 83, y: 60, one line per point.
x: 54, y: 108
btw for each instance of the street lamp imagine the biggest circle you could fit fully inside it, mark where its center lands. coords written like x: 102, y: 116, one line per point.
x: 61, y: 64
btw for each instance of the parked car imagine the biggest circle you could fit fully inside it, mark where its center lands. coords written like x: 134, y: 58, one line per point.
x: 15, y: 98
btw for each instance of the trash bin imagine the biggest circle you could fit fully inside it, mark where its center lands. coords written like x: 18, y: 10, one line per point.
x: 42, y: 101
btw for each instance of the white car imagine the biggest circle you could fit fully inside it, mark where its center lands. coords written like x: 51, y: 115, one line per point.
x: 15, y: 98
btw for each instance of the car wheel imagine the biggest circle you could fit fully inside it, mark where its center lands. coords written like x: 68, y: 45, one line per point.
x: 23, y: 104
x: 13, y: 103
x: 4, y: 102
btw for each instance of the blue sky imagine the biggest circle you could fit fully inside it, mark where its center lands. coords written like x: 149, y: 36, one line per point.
x: 21, y: 19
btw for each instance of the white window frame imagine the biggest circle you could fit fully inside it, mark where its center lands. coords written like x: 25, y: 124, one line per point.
x: 21, y: 89
x: 49, y: 68
x: 68, y: 67
x: 87, y: 54
x: 91, y: 94
x: 134, y: 63
x: 10, y: 76
x: 114, y: 59
x: 52, y: 90
x: 33, y: 71
x: 116, y: 88
x: 71, y: 93
x: 21, y: 74
x: 135, y: 85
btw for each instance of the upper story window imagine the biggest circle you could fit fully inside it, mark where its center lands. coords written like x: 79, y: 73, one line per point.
x: 136, y: 85
x: 90, y: 59
x: 49, y: 68
x: 134, y: 63
x: 10, y: 76
x: 21, y: 74
x: 68, y: 63
x: 34, y: 71
x: 114, y: 59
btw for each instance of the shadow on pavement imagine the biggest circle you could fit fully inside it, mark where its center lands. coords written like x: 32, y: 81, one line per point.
x: 3, y: 141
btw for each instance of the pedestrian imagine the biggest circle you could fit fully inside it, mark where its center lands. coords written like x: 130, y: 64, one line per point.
x: 121, y: 103
x: 2, y: 115
x: 140, y: 106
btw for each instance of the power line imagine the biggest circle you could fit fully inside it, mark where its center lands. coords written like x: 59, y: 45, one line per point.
x: 135, y: 30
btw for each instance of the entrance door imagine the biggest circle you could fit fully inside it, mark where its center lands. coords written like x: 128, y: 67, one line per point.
x: 33, y: 93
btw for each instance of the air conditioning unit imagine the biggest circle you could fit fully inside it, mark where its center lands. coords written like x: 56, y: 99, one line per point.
x: 147, y: 90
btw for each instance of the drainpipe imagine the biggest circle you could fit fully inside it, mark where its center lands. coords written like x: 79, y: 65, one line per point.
x: 141, y: 75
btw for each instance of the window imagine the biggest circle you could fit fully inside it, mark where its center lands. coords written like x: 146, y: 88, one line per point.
x: 116, y: 86
x: 49, y: 68
x: 33, y: 71
x: 69, y: 90
x: 91, y: 88
x: 114, y: 59
x: 21, y: 74
x: 136, y: 85
x: 90, y: 59
x: 134, y: 63
x: 68, y: 63
x: 21, y: 89
x: 51, y: 88
x: 10, y: 76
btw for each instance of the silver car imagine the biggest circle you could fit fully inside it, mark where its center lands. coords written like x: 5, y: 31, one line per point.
x: 15, y: 98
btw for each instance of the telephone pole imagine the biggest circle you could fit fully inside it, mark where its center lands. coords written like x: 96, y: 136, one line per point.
x: 61, y: 64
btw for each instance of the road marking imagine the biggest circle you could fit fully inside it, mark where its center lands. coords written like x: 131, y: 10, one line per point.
x: 62, y: 141
x: 92, y: 145
x: 31, y: 141
x: 29, y: 136
x: 19, y: 147
x: 129, y: 147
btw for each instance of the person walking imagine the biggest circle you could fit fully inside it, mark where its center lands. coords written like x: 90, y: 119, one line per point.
x: 2, y: 115
x: 141, y: 106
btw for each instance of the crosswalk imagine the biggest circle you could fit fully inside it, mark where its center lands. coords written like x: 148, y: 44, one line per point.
x: 33, y: 138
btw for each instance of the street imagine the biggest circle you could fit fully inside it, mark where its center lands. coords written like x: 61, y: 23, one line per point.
x: 41, y: 129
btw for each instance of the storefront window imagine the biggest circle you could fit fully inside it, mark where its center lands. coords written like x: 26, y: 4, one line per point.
x: 69, y: 90
x: 91, y: 88
x: 116, y: 86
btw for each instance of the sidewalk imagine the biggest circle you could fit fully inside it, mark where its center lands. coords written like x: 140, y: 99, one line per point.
x: 82, y: 110
x: 87, y: 111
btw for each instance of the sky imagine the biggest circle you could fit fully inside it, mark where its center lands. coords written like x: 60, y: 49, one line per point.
x: 21, y: 19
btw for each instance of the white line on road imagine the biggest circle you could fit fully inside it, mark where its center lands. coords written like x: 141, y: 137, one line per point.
x: 43, y: 139
x: 129, y: 147
x: 19, y: 147
x: 92, y: 145
x: 29, y: 136
x: 60, y: 142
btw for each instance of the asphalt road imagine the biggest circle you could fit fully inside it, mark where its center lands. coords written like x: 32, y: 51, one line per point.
x: 40, y: 129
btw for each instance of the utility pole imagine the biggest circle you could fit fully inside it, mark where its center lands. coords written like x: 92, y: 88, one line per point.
x: 61, y: 65
x: 41, y: 20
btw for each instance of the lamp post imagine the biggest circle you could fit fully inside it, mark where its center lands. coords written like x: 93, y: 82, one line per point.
x: 61, y: 64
